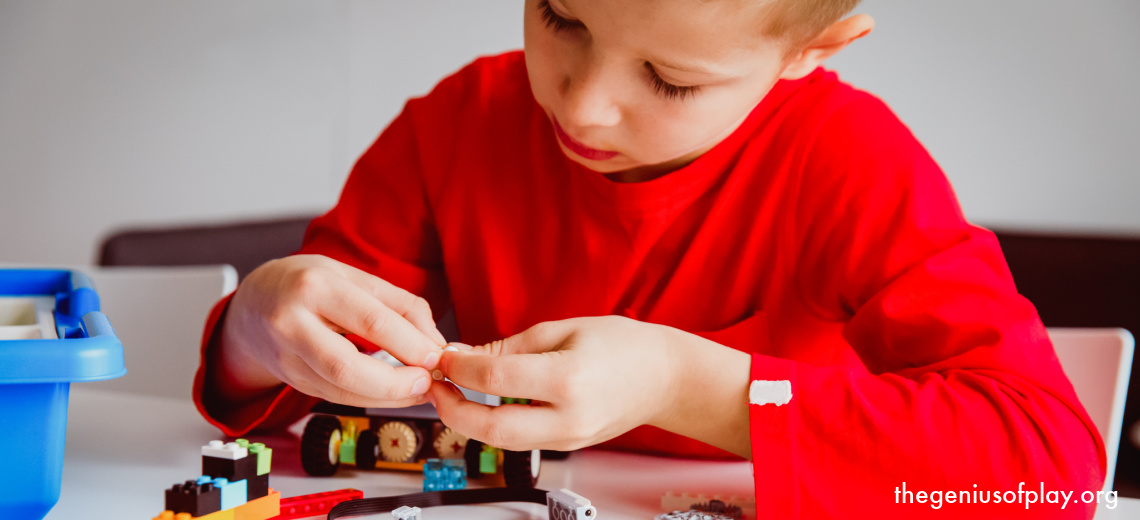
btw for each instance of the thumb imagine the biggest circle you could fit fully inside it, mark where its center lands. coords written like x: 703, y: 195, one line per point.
x: 542, y: 337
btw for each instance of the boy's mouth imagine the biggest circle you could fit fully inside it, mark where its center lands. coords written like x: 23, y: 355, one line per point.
x: 584, y: 151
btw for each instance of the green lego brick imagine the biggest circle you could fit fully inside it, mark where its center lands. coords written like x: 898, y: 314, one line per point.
x: 348, y: 451
x: 488, y: 460
x: 264, y: 456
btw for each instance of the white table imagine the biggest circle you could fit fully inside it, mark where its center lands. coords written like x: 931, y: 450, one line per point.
x: 124, y: 449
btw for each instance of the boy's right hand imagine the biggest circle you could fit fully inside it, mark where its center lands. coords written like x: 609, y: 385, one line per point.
x: 286, y: 323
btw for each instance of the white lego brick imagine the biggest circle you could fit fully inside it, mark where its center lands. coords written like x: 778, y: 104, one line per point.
x: 406, y: 513
x: 225, y: 450
x: 568, y: 505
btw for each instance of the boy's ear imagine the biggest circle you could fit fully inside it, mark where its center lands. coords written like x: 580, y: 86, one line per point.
x: 832, y: 40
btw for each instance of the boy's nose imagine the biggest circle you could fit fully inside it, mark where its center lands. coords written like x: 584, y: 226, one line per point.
x: 590, y: 99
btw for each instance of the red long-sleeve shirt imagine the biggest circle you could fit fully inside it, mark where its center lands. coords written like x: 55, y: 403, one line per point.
x: 820, y: 237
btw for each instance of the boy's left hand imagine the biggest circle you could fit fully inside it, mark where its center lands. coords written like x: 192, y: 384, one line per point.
x: 592, y: 379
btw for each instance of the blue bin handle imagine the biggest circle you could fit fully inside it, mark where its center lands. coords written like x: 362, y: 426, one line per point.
x: 96, y: 325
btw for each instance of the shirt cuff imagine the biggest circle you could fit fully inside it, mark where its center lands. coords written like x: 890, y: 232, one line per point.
x: 772, y: 434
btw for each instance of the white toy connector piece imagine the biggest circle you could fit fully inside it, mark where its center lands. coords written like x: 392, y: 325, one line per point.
x: 225, y: 450
x: 406, y: 513
x: 568, y: 505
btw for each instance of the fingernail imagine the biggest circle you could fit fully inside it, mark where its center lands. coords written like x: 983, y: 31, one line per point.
x: 458, y: 346
x: 420, y: 387
x: 437, y: 375
x: 430, y: 398
x: 432, y: 358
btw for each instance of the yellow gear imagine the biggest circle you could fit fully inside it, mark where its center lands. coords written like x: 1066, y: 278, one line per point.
x: 397, y: 441
x: 450, y: 444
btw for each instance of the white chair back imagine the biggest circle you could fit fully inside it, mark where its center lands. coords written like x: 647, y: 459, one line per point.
x: 1099, y: 363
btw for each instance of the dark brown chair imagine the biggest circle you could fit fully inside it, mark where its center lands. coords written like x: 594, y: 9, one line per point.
x: 244, y: 245
x: 1085, y: 281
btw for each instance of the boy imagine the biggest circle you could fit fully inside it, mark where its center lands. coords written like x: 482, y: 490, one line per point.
x: 660, y: 203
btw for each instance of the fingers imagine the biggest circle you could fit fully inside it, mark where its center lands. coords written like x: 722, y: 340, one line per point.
x: 529, y: 376
x: 511, y: 426
x: 543, y: 337
x: 411, y: 307
x: 334, y: 360
x: 306, y: 380
x: 354, y: 309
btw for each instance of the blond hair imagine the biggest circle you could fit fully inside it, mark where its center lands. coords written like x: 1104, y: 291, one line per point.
x: 796, y: 22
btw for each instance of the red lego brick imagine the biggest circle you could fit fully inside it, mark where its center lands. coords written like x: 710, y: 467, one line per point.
x: 317, y: 504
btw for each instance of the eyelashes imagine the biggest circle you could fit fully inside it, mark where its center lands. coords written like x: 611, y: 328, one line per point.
x: 553, y: 21
x: 667, y: 90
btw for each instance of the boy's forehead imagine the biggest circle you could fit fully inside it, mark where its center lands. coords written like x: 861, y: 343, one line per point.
x: 710, y: 35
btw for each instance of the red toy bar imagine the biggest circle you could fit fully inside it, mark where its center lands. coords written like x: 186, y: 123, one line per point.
x: 317, y: 504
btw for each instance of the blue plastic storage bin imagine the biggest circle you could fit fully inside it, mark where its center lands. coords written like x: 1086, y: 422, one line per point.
x: 35, y: 377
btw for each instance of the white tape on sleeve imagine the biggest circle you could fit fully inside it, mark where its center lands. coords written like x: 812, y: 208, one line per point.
x: 770, y: 392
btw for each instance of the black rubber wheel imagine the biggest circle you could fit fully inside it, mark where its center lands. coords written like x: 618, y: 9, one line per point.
x: 520, y: 468
x: 319, y: 456
x: 471, y: 457
x: 367, y: 449
x: 555, y: 455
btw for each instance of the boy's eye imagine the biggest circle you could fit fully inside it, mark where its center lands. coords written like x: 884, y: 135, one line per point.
x: 555, y: 22
x: 666, y: 89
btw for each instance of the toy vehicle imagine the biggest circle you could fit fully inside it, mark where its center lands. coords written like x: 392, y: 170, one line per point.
x: 403, y: 439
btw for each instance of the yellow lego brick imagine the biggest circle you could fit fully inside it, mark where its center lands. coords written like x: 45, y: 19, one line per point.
x: 262, y: 508
x: 228, y: 514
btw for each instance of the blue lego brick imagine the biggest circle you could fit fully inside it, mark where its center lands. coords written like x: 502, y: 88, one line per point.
x: 445, y: 474
x: 233, y: 493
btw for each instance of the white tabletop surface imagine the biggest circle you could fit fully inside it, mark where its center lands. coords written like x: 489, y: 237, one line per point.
x: 124, y: 449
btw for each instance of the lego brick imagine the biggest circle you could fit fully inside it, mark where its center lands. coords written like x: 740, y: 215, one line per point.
x: 568, y: 505
x: 232, y: 470
x: 445, y: 474
x: 227, y: 514
x: 406, y: 513
x: 195, y: 497
x: 256, y: 487
x: 684, y: 501
x: 233, y: 493
x: 317, y: 504
x: 264, y: 456
x: 488, y: 460
x: 262, y: 508
x: 224, y: 450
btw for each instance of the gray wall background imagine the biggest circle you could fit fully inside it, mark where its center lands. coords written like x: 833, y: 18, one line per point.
x: 130, y: 112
